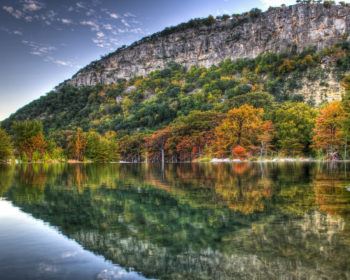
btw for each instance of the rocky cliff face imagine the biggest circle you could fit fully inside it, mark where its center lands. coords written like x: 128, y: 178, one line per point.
x: 244, y: 36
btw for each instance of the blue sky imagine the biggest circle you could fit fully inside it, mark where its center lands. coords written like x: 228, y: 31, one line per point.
x: 44, y: 42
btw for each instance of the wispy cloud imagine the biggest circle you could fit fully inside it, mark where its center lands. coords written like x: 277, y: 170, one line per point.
x: 66, y: 21
x: 13, y: 12
x: 39, y: 49
x: 25, y: 10
x: 17, y: 32
x: 114, y: 15
x: 32, y: 5
x: 46, y: 51
x: 80, y: 5
x: 125, y: 22
x: 94, y: 26
x: 59, y: 62
x: 107, y: 26
x: 129, y: 15
x: 12, y: 32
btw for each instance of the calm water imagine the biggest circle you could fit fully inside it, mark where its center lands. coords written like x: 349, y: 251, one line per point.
x: 199, y: 221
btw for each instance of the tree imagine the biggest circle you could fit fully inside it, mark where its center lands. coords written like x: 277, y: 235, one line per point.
x: 328, y: 133
x: 101, y: 148
x: 346, y: 107
x: 156, y: 144
x: 265, y: 138
x: 255, y: 99
x: 77, y: 145
x: 131, y: 147
x: 239, y: 152
x: 192, y: 134
x: 241, y: 127
x: 294, y: 123
x: 29, y: 139
x: 6, y: 148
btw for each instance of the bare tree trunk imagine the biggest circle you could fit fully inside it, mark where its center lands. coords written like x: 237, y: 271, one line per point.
x: 163, y: 157
x: 346, y: 148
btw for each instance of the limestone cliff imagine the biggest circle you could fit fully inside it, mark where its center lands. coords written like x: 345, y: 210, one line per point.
x: 281, y: 29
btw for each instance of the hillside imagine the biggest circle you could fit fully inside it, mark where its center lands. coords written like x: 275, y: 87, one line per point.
x: 147, y: 103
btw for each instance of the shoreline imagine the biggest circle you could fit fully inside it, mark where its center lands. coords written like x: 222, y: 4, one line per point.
x: 211, y: 161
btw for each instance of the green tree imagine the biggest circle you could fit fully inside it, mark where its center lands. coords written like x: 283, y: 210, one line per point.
x: 346, y: 108
x: 131, y: 147
x: 29, y: 139
x: 101, y: 148
x: 6, y: 148
x: 294, y: 122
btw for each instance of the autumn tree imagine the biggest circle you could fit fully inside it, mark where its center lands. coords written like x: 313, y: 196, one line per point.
x: 241, y: 127
x: 29, y: 139
x: 185, y: 148
x: 294, y: 123
x: 156, y: 144
x: 77, y: 145
x: 6, y: 148
x: 192, y: 134
x: 328, y: 133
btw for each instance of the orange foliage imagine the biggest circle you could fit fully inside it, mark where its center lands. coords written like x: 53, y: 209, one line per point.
x: 78, y: 145
x: 239, y: 152
x: 34, y: 144
x: 243, y: 126
x: 328, y: 135
x: 156, y: 144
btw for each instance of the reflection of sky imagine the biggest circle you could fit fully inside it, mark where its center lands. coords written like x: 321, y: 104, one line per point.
x: 45, y: 42
x: 31, y: 249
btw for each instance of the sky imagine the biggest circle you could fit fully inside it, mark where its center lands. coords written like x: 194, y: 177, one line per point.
x: 44, y: 42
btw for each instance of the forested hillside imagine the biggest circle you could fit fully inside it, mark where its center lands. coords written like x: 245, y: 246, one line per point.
x: 147, y: 103
x: 246, y: 108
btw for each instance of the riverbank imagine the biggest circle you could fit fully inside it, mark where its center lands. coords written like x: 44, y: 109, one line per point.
x: 227, y: 160
x: 201, y: 160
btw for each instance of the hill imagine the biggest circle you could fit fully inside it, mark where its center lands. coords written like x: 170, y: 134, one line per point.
x: 147, y: 103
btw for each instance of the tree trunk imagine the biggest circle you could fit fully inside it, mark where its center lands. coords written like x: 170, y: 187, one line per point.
x: 163, y: 157
x: 346, y: 148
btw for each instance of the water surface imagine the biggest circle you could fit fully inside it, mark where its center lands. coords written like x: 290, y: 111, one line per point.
x: 188, y: 221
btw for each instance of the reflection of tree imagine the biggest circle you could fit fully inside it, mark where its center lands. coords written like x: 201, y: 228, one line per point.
x: 242, y: 187
x: 30, y: 182
x: 331, y: 195
x: 245, y: 189
x: 6, y: 178
x: 181, y: 225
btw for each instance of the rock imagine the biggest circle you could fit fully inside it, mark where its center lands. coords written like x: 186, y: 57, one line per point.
x: 279, y: 29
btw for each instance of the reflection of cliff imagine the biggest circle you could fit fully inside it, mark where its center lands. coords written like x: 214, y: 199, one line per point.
x: 267, y: 250
x: 151, y: 232
x: 197, y: 221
